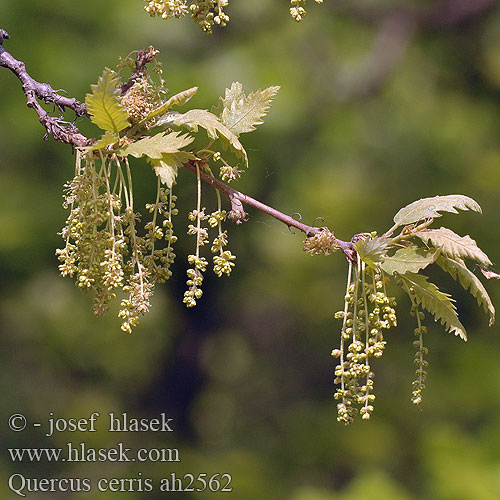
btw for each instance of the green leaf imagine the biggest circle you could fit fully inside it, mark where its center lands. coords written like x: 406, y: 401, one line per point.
x: 106, y: 140
x: 372, y: 250
x: 453, y: 245
x: 167, y: 167
x: 409, y: 259
x: 157, y: 145
x: 103, y: 104
x: 436, y: 302
x: 459, y: 271
x: 195, y: 118
x: 241, y: 114
x: 176, y: 100
x: 429, y: 208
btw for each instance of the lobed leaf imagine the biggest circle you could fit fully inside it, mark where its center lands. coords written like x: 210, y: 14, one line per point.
x: 433, y: 300
x: 372, y: 250
x: 167, y: 167
x: 429, y: 208
x: 195, y: 118
x: 176, y: 100
x: 453, y: 245
x: 157, y: 145
x: 459, y: 271
x: 106, y: 140
x: 241, y: 113
x: 409, y: 259
x: 103, y: 104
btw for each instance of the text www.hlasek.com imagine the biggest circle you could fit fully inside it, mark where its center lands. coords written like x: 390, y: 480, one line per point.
x: 81, y: 453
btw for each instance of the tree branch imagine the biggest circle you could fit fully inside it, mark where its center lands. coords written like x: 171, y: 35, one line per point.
x: 238, y: 215
x: 61, y: 130
x: 143, y: 57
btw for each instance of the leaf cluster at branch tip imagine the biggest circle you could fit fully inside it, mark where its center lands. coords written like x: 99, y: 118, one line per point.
x: 402, y: 257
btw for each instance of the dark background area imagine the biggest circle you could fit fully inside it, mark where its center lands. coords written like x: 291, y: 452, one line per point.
x: 375, y: 111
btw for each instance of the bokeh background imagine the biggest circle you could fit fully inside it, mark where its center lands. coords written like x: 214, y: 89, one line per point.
x: 377, y: 108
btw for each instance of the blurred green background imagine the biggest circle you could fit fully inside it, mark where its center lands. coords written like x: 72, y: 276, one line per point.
x: 247, y: 375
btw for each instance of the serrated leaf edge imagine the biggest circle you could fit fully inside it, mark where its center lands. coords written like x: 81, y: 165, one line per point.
x: 467, y: 247
x: 469, y: 282
x: 462, y: 203
x: 454, y: 325
x: 108, y: 81
x: 243, y: 101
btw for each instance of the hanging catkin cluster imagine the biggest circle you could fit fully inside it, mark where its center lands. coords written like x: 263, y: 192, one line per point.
x: 205, y: 13
x: 208, y: 13
x: 104, y: 248
x: 368, y: 311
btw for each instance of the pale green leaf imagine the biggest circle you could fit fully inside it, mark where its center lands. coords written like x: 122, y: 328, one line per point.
x: 371, y: 250
x: 429, y: 208
x: 433, y: 300
x: 241, y: 113
x: 157, y: 145
x: 168, y: 119
x: 453, y: 245
x: 409, y: 259
x: 103, y: 104
x: 166, y: 171
x: 176, y: 100
x: 469, y: 281
x: 167, y: 167
x: 195, y: 118
x: 106, y: 140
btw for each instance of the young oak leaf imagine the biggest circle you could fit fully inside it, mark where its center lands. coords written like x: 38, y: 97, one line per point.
x: 176, y: 100
x: 469, y: 281
x: 103, y: 104
x: 106, y: 140
x: 438, y: 303
x: 241, y: 113
x: 372, y: 250
x: 195, y: 118
x: 409, y: 259
x: 429, y: 208
x: 453, y: 245
x: 157, y: 145
x: 167, y: 167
